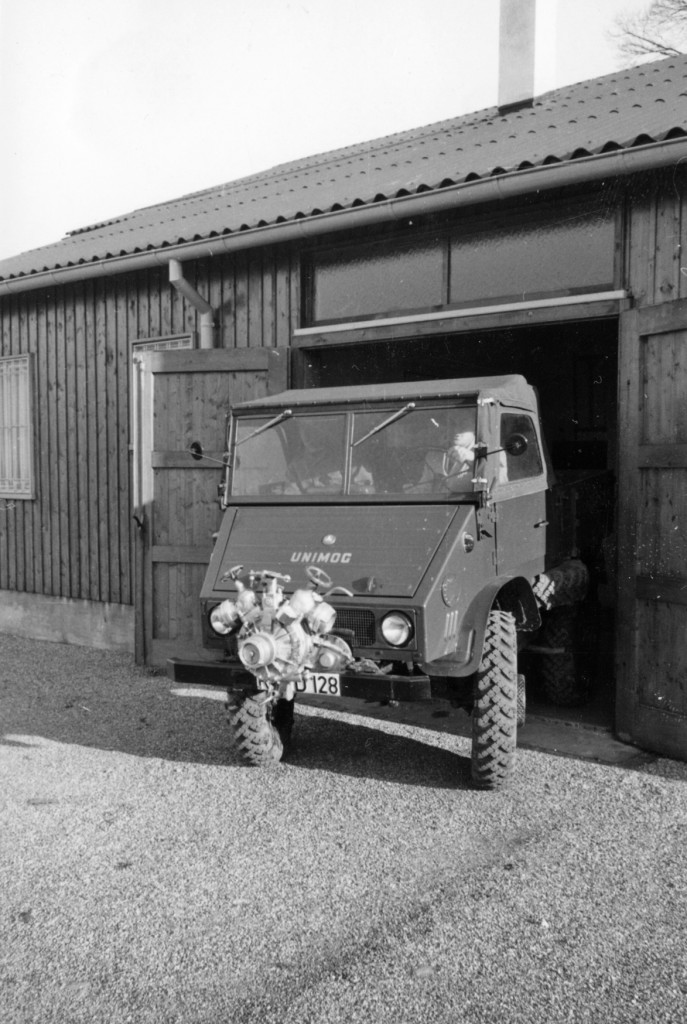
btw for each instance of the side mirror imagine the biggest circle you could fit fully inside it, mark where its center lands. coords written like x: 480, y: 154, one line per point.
x: 516, y: 444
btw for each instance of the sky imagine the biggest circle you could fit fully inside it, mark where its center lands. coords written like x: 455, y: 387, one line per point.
x: 107, y: 106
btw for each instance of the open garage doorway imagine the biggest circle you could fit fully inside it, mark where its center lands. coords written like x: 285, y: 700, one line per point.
x: 574, y: 367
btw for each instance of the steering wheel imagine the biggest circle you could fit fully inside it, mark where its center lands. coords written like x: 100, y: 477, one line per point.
x: 446, y: 477
x: 433, y: 470
x: 318, y: 576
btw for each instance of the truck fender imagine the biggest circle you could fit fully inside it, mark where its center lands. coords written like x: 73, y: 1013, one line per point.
x: 508, y: 593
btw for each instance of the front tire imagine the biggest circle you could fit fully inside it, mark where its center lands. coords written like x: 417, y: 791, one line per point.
x: 495, y: 709
x: 258, y: 728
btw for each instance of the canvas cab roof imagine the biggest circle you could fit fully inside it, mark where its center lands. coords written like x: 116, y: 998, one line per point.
x: 511, y: 390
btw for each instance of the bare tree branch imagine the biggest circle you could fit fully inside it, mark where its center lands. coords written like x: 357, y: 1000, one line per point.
x: 660, y: 30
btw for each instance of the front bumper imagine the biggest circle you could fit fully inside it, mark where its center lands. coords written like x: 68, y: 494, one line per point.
x: 353, y: 684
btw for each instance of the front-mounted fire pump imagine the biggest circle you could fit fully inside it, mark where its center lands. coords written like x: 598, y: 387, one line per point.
x: 286, y: 643
x: 391, y: 542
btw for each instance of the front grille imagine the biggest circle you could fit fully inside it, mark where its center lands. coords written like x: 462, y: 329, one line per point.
x: 358, y: 621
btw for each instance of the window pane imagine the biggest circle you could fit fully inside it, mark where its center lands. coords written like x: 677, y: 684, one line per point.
x: 301, y: 455
x: 377, y: 279
x: 529, y: 260
x: 527, y: 464
x: 16, y: 463
x: 428, y: 451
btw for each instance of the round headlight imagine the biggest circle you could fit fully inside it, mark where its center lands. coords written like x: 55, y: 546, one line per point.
x: 223, y: 618
x: 397, y: 629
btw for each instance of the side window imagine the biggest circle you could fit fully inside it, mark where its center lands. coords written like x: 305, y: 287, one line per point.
x: 16, y: 428
x: 529, y: 463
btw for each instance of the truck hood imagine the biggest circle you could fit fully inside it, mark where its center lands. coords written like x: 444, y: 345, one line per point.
x: 384, y: 550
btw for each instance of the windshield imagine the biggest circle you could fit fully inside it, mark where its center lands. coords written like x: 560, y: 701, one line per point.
x: 400, y: 451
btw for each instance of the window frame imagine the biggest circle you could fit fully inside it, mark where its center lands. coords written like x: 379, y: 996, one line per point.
x: 22, y: 487
x: 347, y: 496
x: 446, y: 237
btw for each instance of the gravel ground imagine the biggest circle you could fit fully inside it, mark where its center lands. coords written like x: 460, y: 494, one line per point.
x: 146, y: 877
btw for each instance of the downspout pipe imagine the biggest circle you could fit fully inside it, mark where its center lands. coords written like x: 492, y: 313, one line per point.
x: 185, y: 288
x: 582, y: 170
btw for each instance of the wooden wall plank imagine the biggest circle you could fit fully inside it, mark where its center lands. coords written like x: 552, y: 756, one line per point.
x: 38, y: 426
x: 662, y: 456
x: 73, y: 399
x: 167, y: 293
x: 191, y: 554
x: 183, y: 460
x: 122, y: 365
x: 207, y: 360
x: 662, y: 657
x: 160, y: 601
x: 143, y: 302
x: 269, y: 325
x: 667, y: 247
x: 227, y: 325
x: 64, y: 417
x: 682, y: 253
x: 5, y: 530
x: 8, y: 577
x: 89, y: 457
x: 23, y: 537
x: 83, y: 386
x: 103, y: 429
x: 255, y: 291
x: 628, y: 431
x: 282, y: 299
x: 661, y: 534
x: 112, y: 443
x: 640, y: 257
x: 241, y: 300
x: 662, y: 588
x: 294, y: 289
x: 53, y: 508
x: 664, y: 372
x: 40, y: 441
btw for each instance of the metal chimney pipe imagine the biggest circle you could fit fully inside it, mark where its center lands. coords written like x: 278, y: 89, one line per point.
x: 516, y: 53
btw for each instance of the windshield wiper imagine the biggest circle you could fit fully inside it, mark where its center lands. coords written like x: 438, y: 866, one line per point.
x: 266, y: 426
x: 385, y: 423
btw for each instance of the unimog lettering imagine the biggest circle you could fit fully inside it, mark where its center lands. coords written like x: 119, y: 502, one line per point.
x: 331, y: 557
x: 465, y: 555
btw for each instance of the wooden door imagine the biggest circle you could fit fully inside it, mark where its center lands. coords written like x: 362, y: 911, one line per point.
x: 180, y: 398
x: 652, y: 529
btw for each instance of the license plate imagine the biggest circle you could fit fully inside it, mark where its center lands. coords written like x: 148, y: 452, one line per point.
x: 322, y: 684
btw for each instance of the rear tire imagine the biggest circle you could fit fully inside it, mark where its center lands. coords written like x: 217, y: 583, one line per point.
x: 255, y: 736
x: 564, y: 676
x: 495, y: 709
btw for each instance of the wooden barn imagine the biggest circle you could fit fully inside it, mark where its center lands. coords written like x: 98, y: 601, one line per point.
x: 543, y: 237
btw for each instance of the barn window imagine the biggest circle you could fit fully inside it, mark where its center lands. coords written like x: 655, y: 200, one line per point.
x: 371, y: 279
x: 566, y: 252
x: 16, y: 428
x: 542, y: 251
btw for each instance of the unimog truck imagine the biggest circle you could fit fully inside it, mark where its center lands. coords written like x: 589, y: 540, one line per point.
x: 394, y: 542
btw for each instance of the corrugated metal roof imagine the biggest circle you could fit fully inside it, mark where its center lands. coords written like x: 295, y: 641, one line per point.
x: 629, y: 108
